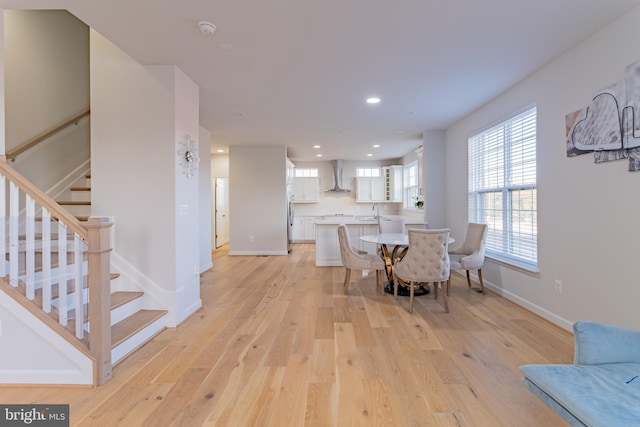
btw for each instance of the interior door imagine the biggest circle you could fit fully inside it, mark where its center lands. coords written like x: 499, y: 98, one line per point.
x: 221, y: 228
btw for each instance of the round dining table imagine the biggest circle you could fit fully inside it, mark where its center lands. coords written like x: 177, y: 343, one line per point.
x: 400, y: 242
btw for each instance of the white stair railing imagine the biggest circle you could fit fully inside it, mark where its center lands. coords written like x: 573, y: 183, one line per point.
x: 38, y: 275
x: 46, y: 248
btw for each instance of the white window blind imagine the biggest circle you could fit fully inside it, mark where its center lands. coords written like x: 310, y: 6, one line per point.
x: 502, y: 188
x: 410, y: 185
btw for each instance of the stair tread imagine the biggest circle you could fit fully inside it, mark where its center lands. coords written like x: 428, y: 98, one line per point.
x: 132, y: 324
x: 70, y: 288
x: 80, y: 188
x: 74, y: 203
x: 120, y: 298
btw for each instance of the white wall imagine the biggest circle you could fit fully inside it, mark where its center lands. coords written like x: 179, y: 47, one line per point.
x: 257, y: 200
x: 32, y: 353
x: 433, y: 178
x: 220, y: 165
x: 47, y: 83
x: 186, y: 104
x: 205, y: 200
x: 587, y: 213
x: 46, y: 72
x: 136, y: 117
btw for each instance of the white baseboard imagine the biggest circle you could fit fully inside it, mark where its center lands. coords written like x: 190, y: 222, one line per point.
x: 258, y: 253
x: 542, y: 312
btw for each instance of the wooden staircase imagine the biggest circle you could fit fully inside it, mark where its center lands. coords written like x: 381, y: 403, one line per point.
x: 131, y: 324
x: 77, y: 200
x: 56, y: 266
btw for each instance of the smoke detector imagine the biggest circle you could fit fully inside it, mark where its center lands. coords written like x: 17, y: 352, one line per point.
x: 206, y: 28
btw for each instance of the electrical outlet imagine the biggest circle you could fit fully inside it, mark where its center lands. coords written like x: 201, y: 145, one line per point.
x: 251, y: 238
x: 558, y: 286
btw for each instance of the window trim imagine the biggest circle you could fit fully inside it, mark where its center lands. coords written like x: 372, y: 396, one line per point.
x: 405, y: 187
x: 506, y: 188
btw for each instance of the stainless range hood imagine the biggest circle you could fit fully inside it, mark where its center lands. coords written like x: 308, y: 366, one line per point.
x: 337, y: 178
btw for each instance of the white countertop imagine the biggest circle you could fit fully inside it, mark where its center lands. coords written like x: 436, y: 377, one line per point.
x: 356, y: 219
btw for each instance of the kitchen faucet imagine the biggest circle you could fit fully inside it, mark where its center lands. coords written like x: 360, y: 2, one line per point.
x: 376, y: 208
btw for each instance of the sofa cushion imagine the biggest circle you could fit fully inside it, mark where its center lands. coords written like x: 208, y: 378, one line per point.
x: 596, y: 395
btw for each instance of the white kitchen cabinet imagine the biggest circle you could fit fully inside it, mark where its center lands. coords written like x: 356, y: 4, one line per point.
x: 309, y: 229
x: 306, y: 190
x: 370, y: 189
x: 304, y: 229
x: 297, y: 231
x: 327, y: 246
x: 393, y: 183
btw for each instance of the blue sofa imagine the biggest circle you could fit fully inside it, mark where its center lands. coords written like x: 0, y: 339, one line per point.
x: 602, y: 386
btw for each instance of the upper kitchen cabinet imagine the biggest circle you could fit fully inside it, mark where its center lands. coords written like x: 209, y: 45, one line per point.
x: 306, y: 190
x: 370, y: 189
x: 385, y: 188
x: 393, y: 183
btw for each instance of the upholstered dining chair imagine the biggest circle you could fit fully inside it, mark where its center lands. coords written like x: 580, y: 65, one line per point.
x: 352, y: 259
x: 470, y: 256
x: 427, y: 260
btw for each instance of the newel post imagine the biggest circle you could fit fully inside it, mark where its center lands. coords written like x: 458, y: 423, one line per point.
x: 100, y: 297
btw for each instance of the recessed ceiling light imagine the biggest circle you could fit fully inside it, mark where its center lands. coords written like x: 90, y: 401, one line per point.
x: 206, y: 28
x: 399, y: 131
x: 219, y: 151
x: 369, y: 155
x: 373, y: 100
x: 316, y: 146
x: 376, y: 145
x: 318, y: 155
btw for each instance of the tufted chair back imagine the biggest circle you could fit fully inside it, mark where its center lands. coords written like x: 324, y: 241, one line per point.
x: 427, y: 260
x: 353, y: 259
x: 470, y: 256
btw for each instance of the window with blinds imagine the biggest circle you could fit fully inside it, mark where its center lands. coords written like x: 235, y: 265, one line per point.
x: 502, y: 189
x: 306, y: 173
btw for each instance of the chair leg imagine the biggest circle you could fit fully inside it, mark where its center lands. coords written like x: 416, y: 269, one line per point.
x: 395, y: 287
x: 435, y: 290
x: 449, y: 287
x: 481, y: 281
x: 445, y: 299
x: 347, y: 277
x: 468, y: 279
x: 411, y: 287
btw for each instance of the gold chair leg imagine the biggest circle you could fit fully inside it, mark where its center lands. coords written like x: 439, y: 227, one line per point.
x: 468, y: 279
x: 481, y: 281
x: 347, y: 277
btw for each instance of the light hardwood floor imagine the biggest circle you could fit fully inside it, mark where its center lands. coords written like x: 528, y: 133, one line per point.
x: 278, y: 343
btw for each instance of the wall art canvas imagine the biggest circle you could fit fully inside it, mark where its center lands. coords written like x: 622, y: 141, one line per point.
x: 610, y: 126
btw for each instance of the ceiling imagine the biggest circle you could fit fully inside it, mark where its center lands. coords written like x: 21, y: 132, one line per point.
x: 297, y: 72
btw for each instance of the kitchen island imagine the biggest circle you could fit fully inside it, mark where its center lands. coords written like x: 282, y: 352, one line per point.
x: 327, y: 245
